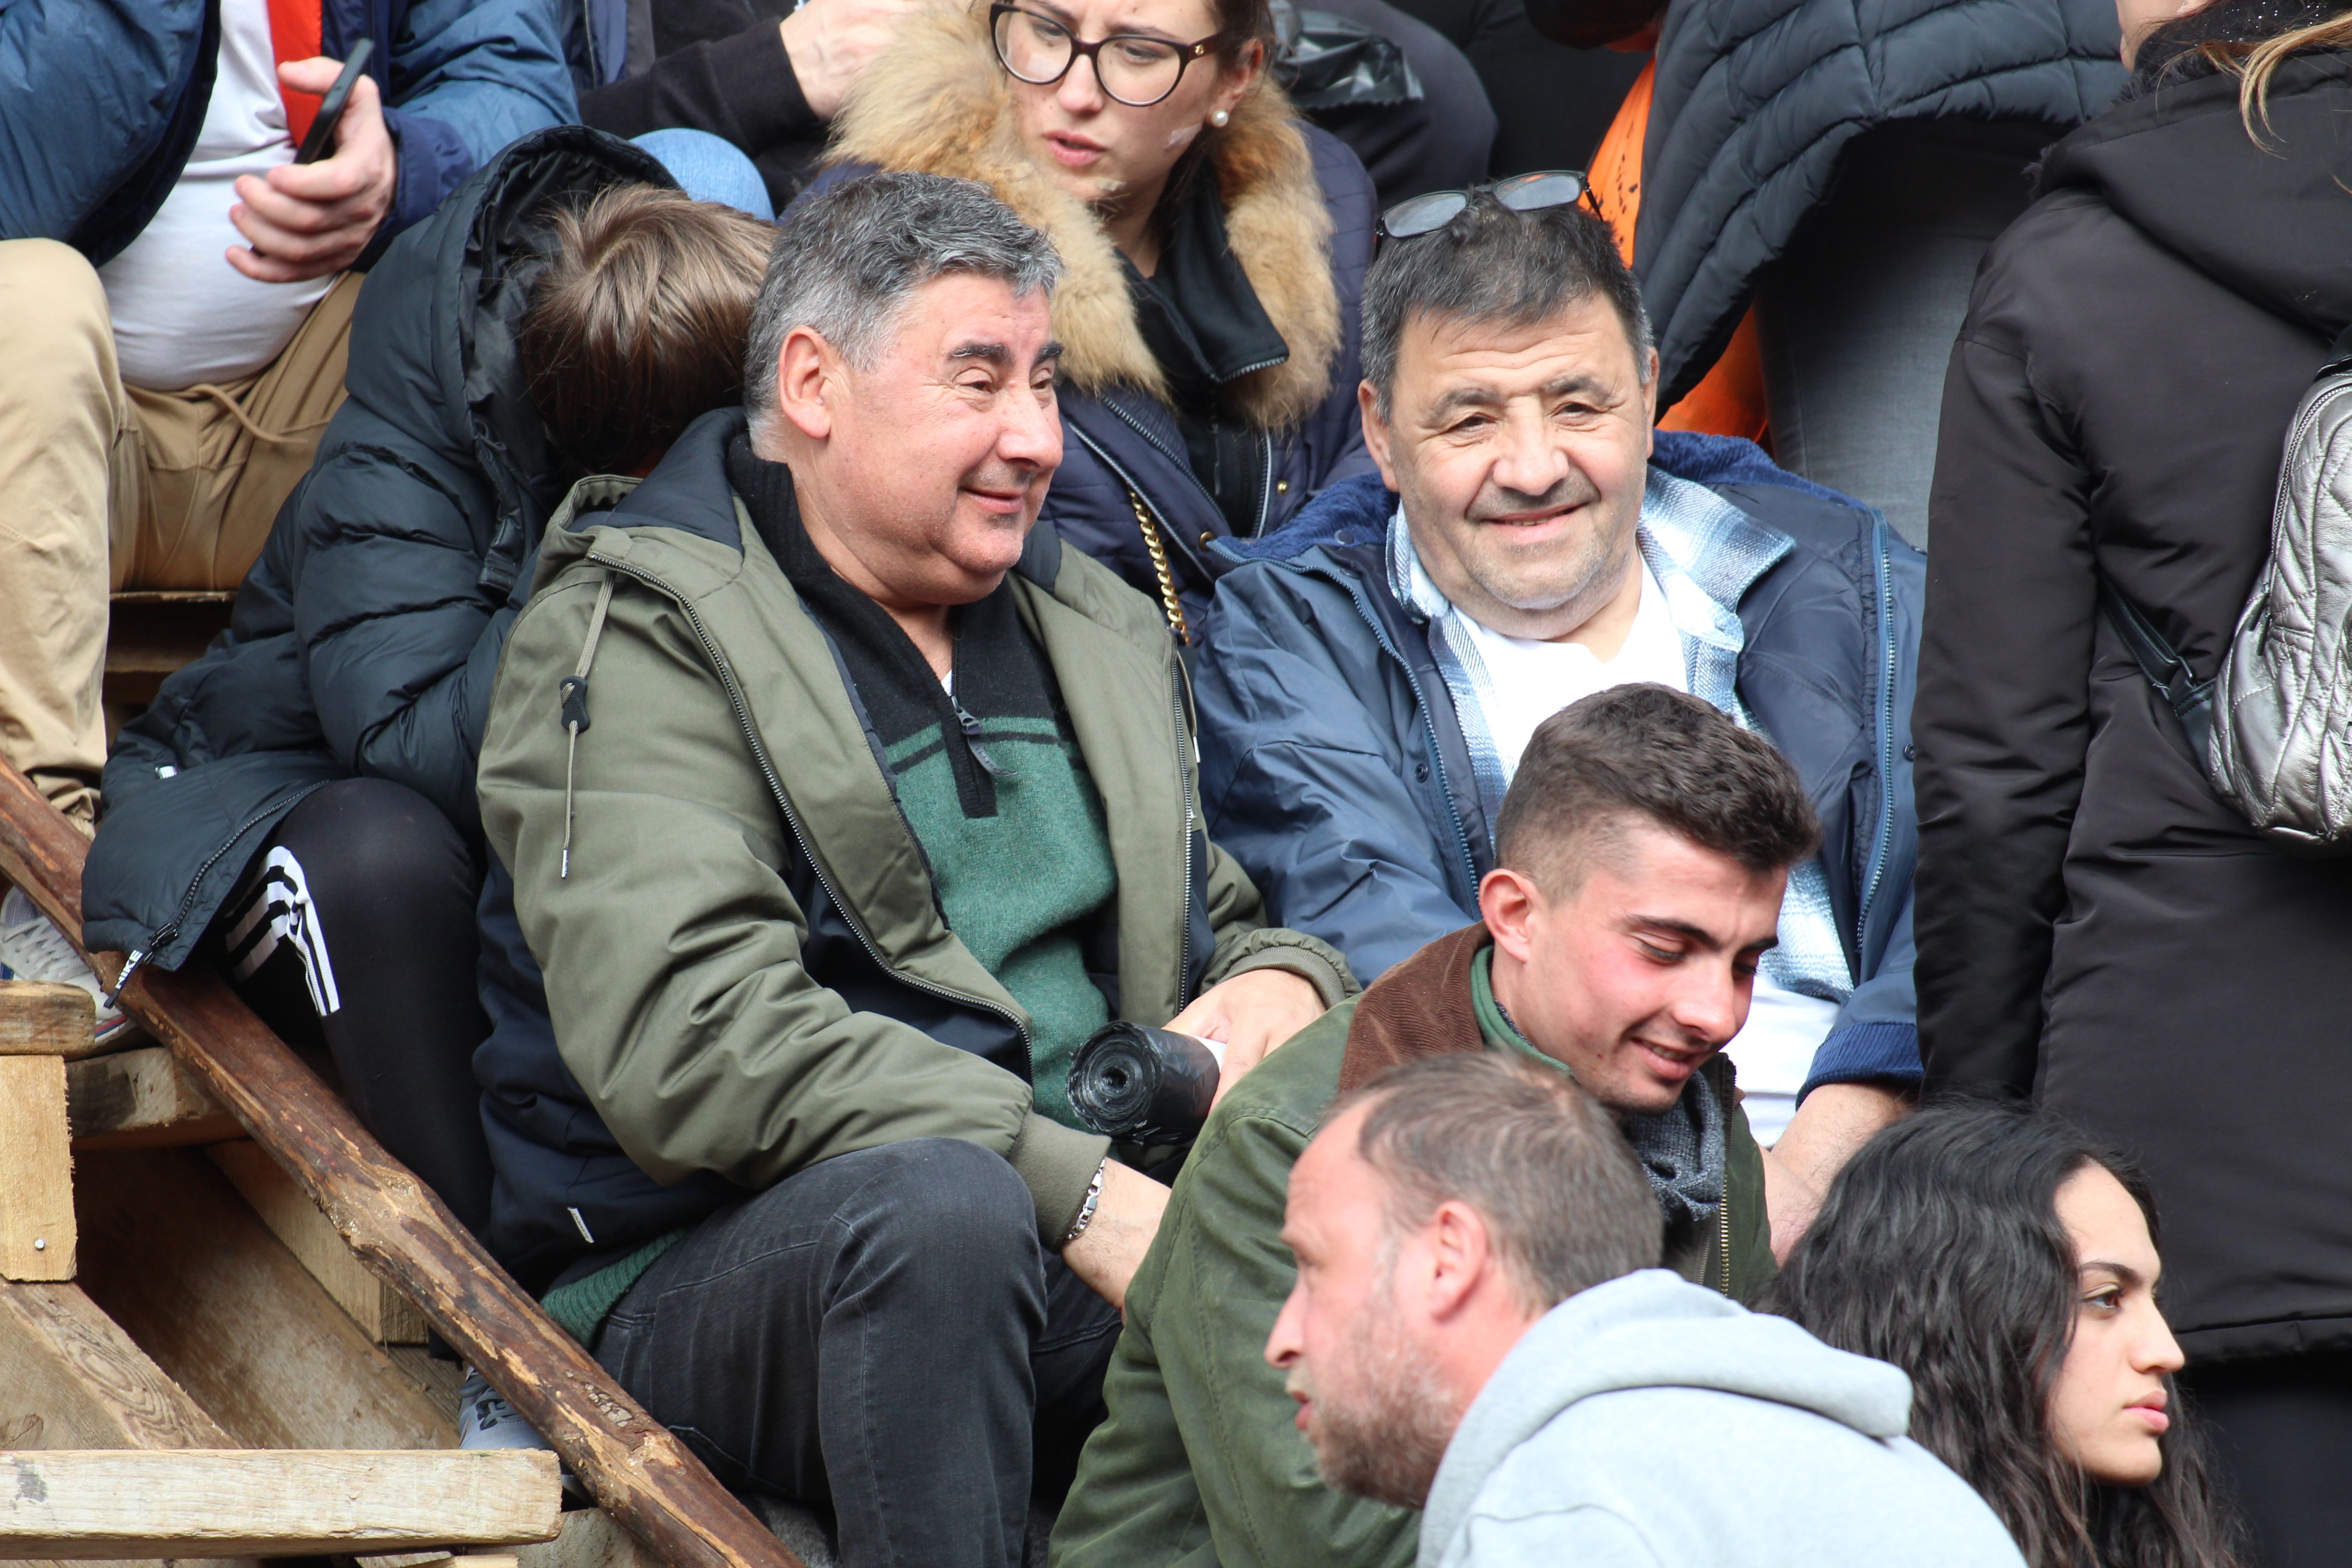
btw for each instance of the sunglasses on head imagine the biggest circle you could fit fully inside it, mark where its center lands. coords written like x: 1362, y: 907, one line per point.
x: 1520, y: 193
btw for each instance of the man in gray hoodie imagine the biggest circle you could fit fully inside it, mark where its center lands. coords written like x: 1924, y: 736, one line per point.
x: 1480, y: 1330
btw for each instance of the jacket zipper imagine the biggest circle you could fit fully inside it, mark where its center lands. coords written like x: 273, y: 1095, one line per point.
x: 1173, y: 536
x: 726, y: 674
x: 162, y: 937
x: 1723, y: 1212
x: 1421, y: 699
x: 1885, y: 735
x: 1265, y: 482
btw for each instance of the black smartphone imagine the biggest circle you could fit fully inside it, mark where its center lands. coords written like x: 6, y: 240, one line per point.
x: 321, y: 142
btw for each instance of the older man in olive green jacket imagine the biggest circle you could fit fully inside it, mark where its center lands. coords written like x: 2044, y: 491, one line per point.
x: 840, y: 807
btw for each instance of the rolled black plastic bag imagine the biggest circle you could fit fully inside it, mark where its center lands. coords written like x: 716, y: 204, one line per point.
x: 1143, y: 1086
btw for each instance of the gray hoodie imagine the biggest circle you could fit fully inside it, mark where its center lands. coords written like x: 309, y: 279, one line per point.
x: 1649, y: 1421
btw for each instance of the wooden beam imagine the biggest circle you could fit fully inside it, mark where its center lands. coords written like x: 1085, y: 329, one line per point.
x: 214, y: 1504
x: 591, y: 1539
x: 172, y: 1253
x: 70, y: 1378
x: 381, y: 1313
x: 37, y: 1213
x: 141, y: 1099
x: 40, y: 1018
x: 632, y: 1464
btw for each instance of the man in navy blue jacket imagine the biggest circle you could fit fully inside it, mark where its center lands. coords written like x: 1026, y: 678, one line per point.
x: 1367, y: 684
x: 176, y: 293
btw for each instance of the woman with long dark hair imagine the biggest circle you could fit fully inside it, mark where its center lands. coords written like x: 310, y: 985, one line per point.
x: 2009, y: 1265
x: 2097, y: 930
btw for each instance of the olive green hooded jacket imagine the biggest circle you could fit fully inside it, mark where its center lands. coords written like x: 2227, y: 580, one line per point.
x: 744, y: 957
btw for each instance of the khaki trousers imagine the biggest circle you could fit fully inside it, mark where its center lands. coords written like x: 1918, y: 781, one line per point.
x: 105, y: 487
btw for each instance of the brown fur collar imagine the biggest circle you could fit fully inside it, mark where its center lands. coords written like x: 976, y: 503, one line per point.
x: 1419, y: 1008
x: 937, y: 100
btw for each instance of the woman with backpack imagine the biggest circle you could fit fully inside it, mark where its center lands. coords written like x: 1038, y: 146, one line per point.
x: 2095, y: 927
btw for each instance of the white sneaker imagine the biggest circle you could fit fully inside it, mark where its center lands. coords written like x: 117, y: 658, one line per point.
x: 33, y: 949
x: 485, y: 1420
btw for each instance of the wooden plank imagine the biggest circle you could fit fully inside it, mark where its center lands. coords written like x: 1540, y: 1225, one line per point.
x: 591, y: 1538
x: 37, y: 1213
x: 141, y: 1099
x: 173, y: 1253
x: 43, y: 1018
x: 70, y: 1378
x: 628, y: 1461
x: 379, y: 1310
x: 236, y: 1502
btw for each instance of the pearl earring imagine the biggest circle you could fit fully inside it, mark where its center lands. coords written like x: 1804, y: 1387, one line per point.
x: 1218, y: 118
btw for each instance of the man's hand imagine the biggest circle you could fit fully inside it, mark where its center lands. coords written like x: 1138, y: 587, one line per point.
x: 310, y: 220
x: 830, y: 43
x: 1835, y: 1120
x: 1127, y: 1217
x: 1251, y: 1013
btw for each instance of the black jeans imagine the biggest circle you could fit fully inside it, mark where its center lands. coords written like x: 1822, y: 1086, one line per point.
x: 881, y: 1334
x: 352, y: 932
x: 2280, y: 1430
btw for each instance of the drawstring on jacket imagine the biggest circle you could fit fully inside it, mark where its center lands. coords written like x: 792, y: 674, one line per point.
x: 574, y: 689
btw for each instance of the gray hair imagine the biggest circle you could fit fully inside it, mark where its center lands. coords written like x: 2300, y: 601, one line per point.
x: 849, y: 259
x: 1565, y: 1201
x: 1489, y: 264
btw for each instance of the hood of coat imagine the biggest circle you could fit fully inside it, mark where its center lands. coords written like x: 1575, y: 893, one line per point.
x: 939, y: 103
x: 2273, y: 225
x: 1653, y: 1329
x: 444, y: 368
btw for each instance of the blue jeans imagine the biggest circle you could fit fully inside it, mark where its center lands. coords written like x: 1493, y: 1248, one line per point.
x: 880, y: 1335
x: 710, y: 169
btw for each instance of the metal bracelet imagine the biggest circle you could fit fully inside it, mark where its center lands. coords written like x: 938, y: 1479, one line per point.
x: 1087, y: 1209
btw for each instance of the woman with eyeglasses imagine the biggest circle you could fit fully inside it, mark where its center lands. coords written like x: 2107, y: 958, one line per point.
x: 1215, y: 248
x: 2009, y: 1265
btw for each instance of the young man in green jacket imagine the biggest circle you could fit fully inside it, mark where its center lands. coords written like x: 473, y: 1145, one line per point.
x: 1642, y: 852
x: 839, y: 808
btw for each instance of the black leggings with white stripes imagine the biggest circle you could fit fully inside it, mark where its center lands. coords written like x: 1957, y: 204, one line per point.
x: 352, y: 932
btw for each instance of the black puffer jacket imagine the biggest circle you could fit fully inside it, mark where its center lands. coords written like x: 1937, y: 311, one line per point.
x: 2093, y: 925
x: 366, y: 637
x: 1754, y: 100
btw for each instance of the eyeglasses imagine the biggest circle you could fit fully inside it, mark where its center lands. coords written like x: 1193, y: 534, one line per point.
x: 1133, y: 70
x: 1520, y: 193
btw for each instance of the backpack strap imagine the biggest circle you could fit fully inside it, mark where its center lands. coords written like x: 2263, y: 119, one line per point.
x: 2190, y: 699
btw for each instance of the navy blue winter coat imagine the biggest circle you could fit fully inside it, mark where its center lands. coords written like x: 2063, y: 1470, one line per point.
x: 101, y: 104
x: 1298, y: 217
x: 365, y: 638
x: 1334, y: 768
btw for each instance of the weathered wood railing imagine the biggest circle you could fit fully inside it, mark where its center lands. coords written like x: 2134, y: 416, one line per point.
x: 642, y: 1474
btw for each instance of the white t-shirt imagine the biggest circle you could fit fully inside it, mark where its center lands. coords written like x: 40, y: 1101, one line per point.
x: 182, y: 313
x: 1530, y: 681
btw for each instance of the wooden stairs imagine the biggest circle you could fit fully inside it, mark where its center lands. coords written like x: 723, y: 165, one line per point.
x: 215, y: 1290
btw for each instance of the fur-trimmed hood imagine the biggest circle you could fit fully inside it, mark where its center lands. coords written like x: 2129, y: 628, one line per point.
x: 938, y: 102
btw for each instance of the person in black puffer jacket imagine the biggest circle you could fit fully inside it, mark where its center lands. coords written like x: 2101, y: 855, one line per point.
x: 1841, y: 168
x: 2096, y: 927
x: 298, y: 806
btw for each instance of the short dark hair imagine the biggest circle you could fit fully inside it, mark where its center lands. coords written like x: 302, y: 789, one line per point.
x: 1563, y: 1197
x: 636, y: 327
x: 1491, y: 264
x: 1650, y: 751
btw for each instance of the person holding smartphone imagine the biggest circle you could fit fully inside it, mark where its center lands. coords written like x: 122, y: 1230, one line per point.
x: 176, y: 288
